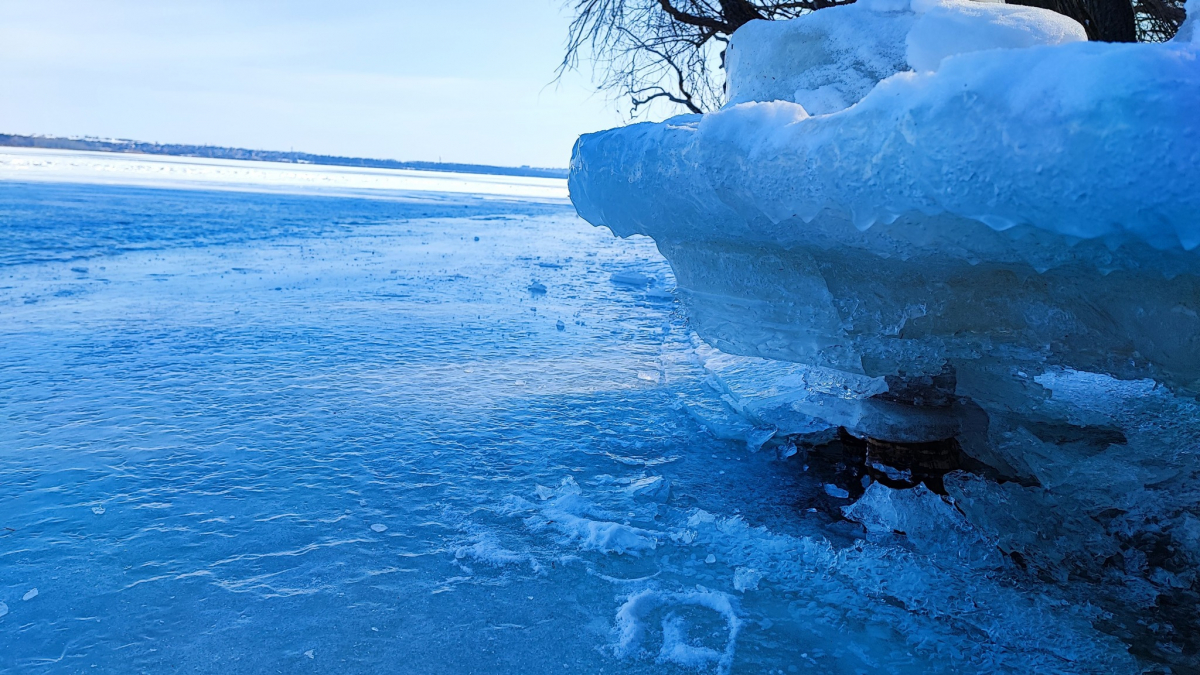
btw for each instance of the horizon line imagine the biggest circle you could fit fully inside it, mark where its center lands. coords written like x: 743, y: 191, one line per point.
x: 129, y: 146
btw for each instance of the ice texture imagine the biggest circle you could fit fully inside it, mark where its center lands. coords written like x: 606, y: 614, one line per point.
x: 929, y: 220
x: 248, y: 380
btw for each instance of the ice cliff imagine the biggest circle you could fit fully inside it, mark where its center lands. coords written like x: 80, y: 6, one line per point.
x: 917, y: 221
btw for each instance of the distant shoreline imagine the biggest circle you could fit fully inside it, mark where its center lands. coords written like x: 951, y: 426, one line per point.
x: 218, y: 152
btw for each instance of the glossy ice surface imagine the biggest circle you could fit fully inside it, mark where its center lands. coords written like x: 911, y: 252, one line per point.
x: 260, y: 432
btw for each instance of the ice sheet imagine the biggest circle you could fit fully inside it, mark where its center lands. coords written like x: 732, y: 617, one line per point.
x: 68, y: 166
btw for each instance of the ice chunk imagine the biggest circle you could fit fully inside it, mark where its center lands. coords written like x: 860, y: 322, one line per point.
x: 606, y: 537
x: 30, y: 594
x: 631, y: 279
x: 487, y: 549
x: 926, y: 518
x: 825, y: 61
x: 1028, y: 629
x: 829, y: 60
x: 1189, y: 31
x: 836, y: 492
x: 746, y: 579
x: 98, y: 510
x: 945, y: 28
x: 379, y: 527
x: 587, y: 526
x: 758, y: 436
x: 3, y: 609
x: 653, y: 488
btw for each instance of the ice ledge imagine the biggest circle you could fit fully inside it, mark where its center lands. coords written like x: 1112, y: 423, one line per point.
x: 1082, y: 140
x: 1016, y: 209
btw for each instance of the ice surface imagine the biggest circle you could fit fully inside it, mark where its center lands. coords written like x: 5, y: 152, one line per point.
x: 248, y: 380
x: 77, y: 166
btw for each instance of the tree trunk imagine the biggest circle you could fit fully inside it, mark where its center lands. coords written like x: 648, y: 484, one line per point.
x: 739, y: 12
x: 1104, y: 20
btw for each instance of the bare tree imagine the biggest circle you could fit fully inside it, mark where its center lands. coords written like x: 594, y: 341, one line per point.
x: 1119, y: 20
x: 1158, y: 20
x: 674, y: 50
x: 670, y: 50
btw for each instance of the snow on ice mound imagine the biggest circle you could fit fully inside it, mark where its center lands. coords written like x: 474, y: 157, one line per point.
x: 984, y: 227
x: 829, y: 60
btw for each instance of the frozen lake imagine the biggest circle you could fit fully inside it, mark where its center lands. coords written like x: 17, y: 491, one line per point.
x: 259, y: 418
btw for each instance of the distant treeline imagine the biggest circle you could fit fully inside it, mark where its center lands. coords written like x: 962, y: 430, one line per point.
x: 216, y: 152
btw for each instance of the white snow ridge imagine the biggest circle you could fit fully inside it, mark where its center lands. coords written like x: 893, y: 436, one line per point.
x: 932, y: 219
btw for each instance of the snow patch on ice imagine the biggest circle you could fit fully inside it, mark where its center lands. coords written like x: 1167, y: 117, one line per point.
x: 590, y: 528
x: 946, y: 28
x: 486, y: 548
x: 676, y: 648
x: 829, y: 60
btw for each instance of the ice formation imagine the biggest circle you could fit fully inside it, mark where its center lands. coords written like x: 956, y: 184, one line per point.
x: 675, y: 647
x: 579, y: 521
x: 938, y: 219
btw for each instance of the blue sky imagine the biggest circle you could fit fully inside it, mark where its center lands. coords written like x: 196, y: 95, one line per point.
x: 456, y: 80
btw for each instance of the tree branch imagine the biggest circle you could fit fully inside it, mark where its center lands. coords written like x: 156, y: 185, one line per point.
x: 694, y: 20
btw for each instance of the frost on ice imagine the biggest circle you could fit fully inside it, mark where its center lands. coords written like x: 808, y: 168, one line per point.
x: 676, y: 648
x: 937, y: 219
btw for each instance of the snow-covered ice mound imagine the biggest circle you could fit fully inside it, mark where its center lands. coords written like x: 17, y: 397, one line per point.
x: 1033, y: 204
x: 1028, y: 206
x: 953, y: 218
